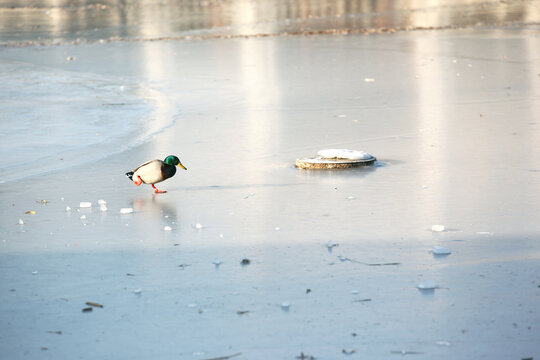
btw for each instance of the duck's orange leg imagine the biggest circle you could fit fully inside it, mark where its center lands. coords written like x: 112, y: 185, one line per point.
x: 158, y: 191
x: 138, y: 181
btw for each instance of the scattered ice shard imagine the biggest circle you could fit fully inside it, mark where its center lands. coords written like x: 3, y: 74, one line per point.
x: 427, y: 285
x: 285, y: 305
x: 85, y: 204
x: 137, y: 291
x: 102, y: 202
x: 167, y: 228
x: 217, y: 262
x: 83, y: 217
x: 21, y: 222
x: 440, y: 250
x: 126, y: 210
x: 68, y: 209
x: 438, y: 228
x: 198, y: 226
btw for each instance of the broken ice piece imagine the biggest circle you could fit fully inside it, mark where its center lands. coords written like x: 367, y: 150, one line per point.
x: 217, y: 262
x: 137, y: 291
x: 351, y: 198
x: 68, y: 209
x: 438, y: 228
x: 331, y: 244
x: 369, y: 80
x: 354, y: 292
x: 167, y: 228
x: 440, y: 250
x: 85, y: 204
x: 103, y: 207
x: 83, y: 217
x: 427, y: 285
x: 443, y: 343
x: 285, y: 305
x: 277, y: 228
x: 21, y: 222
x: 198, y: 226
x: 102, y: 202
x: 34, y: 272
x: 126, y: 210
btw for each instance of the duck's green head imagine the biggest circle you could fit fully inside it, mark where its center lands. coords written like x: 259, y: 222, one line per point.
x: 173, y: 160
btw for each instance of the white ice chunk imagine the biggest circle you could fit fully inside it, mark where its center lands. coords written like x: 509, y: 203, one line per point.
x: 21, y: 222
x: 198, y: 226
x: 354, y: 292
x: 277, y: 228
x: 85, y: 204
x: 369, y: 80
x: 167, y: 228
x: 440, y: 250
x: 83, y: 217
x: 103, y: 207
x: 34, y: 272
x: 126, y: 210
x: 438, y: 228
x: 68, y: 209
x: 137, y: 291
x: 102, y: 202
x: 285, y: 305
x: 427, y: 285
x: 344, y: 154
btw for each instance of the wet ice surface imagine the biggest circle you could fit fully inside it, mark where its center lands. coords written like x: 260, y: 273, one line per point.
x: 54, y: 118
x: 444, y: 113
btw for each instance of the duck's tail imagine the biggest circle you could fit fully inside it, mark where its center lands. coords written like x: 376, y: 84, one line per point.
x: 130, y: 175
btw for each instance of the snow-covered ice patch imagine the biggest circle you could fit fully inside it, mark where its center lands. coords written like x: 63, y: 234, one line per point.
x: 198, y: 226
x: 344, y: 154
x: 68, y: 209
x: 85, y: 204
x: 102, y: 202
x: 126, y: 210
x: 103, y: 207
x: 21, y: 222
x: 167, y: 228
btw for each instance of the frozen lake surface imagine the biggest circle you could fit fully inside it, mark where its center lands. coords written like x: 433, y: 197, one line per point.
x: 247, y: 254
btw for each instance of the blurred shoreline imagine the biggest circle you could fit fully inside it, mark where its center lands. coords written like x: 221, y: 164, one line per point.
x: 25, y: 23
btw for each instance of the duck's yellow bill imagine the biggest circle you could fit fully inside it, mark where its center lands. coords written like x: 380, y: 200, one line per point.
x: 182, y: 166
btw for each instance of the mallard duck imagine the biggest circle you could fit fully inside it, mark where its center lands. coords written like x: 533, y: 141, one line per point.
x: 155, y: 171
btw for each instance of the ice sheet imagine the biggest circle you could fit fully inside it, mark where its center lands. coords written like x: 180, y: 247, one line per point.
x: 445, y: 111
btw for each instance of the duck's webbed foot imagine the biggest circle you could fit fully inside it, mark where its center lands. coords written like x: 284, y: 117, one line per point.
x: 156, y: 191
x: 138, y: 181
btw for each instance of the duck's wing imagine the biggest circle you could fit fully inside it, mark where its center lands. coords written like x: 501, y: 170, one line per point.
x: 150, y: 172
x: 140, y: 166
